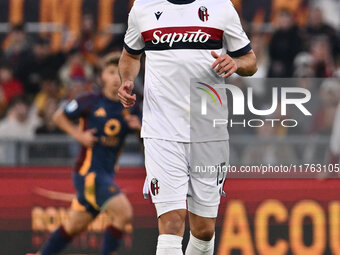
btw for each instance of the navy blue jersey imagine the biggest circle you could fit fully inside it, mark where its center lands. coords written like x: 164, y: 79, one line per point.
x: 107, y: 116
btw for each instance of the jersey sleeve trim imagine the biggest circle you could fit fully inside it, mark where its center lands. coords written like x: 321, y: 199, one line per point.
x: 132, y: 51
x: 181, y: 1
x: 241, y: 52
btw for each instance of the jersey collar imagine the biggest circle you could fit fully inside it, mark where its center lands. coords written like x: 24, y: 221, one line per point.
x: 181, y: 1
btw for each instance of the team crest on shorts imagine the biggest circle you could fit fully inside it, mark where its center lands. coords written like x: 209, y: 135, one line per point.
x: 154, y: 187
x: 203, y: 13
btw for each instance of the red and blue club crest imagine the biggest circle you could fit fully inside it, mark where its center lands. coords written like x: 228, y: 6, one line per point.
x: 203, y: 13
x: 154, y: 186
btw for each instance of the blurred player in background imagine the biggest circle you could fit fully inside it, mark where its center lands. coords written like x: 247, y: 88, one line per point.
x: 183, y: 39
x: 104, y: 126
x: 335, y: 136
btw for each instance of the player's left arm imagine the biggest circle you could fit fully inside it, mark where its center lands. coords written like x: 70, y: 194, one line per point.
x: 240, y: 57
x: 244, y: 65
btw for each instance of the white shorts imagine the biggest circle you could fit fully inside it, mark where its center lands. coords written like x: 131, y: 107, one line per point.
x: 186, y: 174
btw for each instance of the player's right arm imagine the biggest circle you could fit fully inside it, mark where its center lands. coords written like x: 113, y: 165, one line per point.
x: 63, y: 119
x: 129, y: 64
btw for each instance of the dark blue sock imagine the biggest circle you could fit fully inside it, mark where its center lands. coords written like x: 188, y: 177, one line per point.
x: 56, y: 243
x: 112, y: 240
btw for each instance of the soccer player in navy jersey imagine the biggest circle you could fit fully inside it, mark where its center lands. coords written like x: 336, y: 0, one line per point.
x: 104, y: 126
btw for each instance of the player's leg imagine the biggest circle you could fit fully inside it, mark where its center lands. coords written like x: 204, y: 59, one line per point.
x: 171, y: 227
x: 167, y: 179
x: 202, y: 227
x: 205, y: 190
x: 172, y: 223
x: 81, y: 214
x: 120, y: 212
x: 76, y: 223
x: 112, y: 201
x: 202, y: 235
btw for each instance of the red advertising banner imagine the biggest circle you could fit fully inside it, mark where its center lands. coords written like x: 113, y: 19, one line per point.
x: 259, y: 216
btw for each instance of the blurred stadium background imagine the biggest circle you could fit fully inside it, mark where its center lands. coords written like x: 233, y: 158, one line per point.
x: 51, y: 52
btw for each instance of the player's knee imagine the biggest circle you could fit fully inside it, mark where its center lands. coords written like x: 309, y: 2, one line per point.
x: 123, y: 222
x: 204, y: 234
x: 170, y: 226
x: 74, y: 230
x: 127, y: 224
x: 172, y: 222
x: 127, y: 228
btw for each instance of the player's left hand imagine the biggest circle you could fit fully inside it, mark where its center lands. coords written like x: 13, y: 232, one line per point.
x: 133, y: 122
x: 224, y: 64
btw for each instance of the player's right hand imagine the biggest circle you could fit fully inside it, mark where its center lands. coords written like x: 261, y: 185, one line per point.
x: 88, y: 138
x: 124, y: 94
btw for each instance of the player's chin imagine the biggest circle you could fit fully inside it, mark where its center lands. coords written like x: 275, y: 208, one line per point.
x: 114, y: 92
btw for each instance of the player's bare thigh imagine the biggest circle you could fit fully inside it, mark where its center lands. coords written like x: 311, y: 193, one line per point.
x: 120, y: 212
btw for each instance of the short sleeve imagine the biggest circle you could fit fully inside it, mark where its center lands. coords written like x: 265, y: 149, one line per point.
x: 133, y: 41
x: 236, y: 39
x: 78, y: 108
